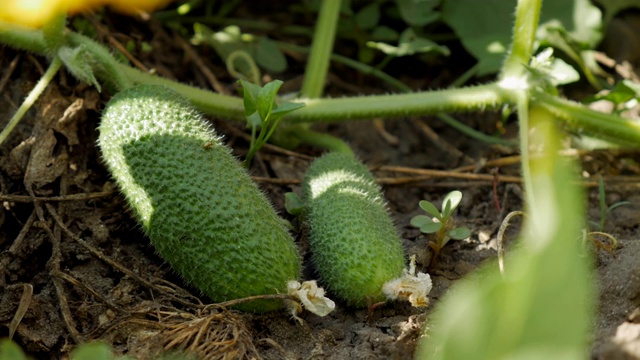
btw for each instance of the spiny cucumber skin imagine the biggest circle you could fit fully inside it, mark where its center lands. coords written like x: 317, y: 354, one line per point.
x: 353, y: 242
x: 197, y: 204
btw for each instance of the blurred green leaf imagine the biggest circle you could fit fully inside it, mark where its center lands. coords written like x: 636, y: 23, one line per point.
x: 146, y: 47
x: 368, y: 16
x: 92, y: 351
x: 269, y: 56
x: 621, y: 93
x: 418, y: 12
x: 10, y: 350
x: 484, y: 28
x: 581, y: 20
x: 384, y: 33
x: 261, y: 49
x: 409, y: 44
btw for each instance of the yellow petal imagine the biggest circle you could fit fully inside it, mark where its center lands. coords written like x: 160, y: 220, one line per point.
x: 36, y: 13
x: 30, y: 13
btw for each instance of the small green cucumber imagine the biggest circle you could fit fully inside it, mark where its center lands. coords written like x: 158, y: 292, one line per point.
x: 354, y: 244
x: 195, y: 201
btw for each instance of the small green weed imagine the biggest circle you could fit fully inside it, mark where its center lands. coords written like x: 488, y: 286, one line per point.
x: 441, y: 223
x: 262, y: 112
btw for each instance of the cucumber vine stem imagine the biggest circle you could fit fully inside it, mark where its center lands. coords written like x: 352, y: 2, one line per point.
x: 524, y: 34
x: 35, y: 93
x: 491, y: 95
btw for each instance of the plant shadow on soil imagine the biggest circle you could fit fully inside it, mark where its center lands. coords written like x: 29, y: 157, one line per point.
x: 73, y: 252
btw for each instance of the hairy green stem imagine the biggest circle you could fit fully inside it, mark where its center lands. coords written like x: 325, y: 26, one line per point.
x: 482, y: 97
x: 25, y: 39
x: 320, y: 139
x: 524, y: 34
x: 513, y: 75
x: 321, y: 48
x: 400, y: 105
x: 582, y: 119
x: 32, y: 97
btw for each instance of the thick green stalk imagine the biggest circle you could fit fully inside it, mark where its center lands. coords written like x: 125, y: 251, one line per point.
x: 400, y: 105
x: 321, y: 49
x: 333, y: 110
x: 582, y: 119
x: 524, y: 34
x: 21, y: 38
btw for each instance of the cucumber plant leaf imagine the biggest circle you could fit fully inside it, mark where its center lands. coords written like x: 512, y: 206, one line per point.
x: 261, y: 49
x: 418, y: 12
x: 484, y: 28
x: 368, y: 17
x: 408, y: 44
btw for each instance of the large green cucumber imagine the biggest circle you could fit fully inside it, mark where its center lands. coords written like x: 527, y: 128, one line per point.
x: 353, y: 242
x: 195, y: 201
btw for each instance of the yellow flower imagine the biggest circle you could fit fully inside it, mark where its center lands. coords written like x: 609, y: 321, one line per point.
x: 36, y: 13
